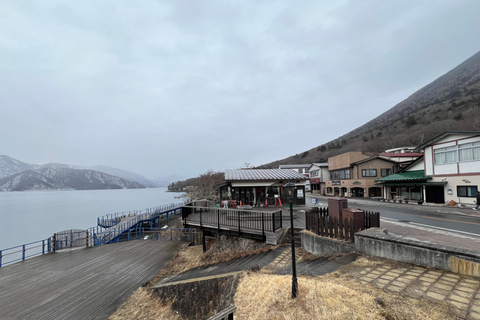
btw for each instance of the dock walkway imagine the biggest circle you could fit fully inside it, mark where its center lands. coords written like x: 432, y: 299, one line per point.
x: 89, y: 283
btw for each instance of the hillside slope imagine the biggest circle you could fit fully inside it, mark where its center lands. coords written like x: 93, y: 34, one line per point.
x: 451, y: 102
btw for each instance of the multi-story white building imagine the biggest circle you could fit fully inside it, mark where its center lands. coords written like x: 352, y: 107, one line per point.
x: 454, y: 159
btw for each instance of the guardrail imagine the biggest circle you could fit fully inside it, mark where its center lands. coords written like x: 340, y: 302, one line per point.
x: 99, y: 234
x: 108, y: 235
x: 110, y: 220
x: 23, y: 252
x: 234, y: 218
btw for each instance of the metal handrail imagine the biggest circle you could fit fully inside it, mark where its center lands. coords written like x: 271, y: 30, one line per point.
x: 19, y: 253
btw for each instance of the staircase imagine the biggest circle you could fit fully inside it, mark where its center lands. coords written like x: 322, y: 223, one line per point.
x: 297, y: 236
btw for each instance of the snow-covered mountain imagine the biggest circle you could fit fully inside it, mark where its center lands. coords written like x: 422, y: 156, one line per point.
x: 124, y: 174
x: 9, y: 166
x: 56, y: 176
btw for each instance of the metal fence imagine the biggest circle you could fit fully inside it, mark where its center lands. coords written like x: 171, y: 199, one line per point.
x: 23, y: 252
x: 234, y: 218
x: 69, y: 239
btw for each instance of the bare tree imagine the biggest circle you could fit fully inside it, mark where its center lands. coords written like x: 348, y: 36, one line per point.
x: 204, y: 187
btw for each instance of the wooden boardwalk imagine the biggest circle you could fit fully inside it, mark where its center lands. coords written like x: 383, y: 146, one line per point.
x: 82, y: 284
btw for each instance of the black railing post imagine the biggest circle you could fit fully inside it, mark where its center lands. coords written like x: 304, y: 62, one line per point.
x: 273, y: 221
x: 218, y: 219
x: 238, y: 213
x: 263, y: 224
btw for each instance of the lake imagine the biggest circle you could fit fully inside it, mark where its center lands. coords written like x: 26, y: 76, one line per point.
x: 30, y: 216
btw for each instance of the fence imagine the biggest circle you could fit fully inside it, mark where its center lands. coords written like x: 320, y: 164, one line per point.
x: 69, y: 239
x: 234, y: 218
x: 113, y: 219
x: 318, y: 221
x: 102, y: 235
x: 23, y: 252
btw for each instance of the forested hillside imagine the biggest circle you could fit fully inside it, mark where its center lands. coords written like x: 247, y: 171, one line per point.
x: 452, y: 102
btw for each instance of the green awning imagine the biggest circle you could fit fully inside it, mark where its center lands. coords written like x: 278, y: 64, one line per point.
x: 406, y: 184
x: 407, y: 176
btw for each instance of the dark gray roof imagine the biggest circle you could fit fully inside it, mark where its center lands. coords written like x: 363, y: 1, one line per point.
x: 263, y: 174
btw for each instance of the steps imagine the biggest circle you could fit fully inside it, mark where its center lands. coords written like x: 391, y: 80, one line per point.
x: 297, y: 236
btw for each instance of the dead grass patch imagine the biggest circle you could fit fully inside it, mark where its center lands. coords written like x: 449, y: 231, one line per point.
x: 227, y: 248
x: 262, y: 296
x: 144, y: 304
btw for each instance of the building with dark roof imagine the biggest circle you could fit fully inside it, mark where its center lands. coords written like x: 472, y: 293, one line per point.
x: 257, y: 187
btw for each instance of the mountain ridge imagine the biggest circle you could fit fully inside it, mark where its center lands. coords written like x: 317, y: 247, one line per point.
x: 449, y: 103
x: 55, y: 176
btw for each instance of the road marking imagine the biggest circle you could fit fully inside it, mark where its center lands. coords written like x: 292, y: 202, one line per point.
x: 443, y: 219
x: 434, y: 227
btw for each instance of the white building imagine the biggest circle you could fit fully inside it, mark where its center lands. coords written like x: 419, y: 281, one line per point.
x: 454, y: 158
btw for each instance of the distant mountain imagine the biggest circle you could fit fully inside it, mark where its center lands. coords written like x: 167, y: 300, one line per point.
x: 9, y: 166
x: 125, y: 175
x: 450, y: 103
x: 63, y: 177
x: 163, y: 182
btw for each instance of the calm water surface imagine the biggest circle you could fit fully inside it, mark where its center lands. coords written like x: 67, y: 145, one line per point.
x: 35, y: 215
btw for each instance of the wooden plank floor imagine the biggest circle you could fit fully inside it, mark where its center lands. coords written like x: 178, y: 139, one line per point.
x: 81, y: 284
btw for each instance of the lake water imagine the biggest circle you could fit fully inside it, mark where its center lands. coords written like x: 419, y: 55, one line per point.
x: 30, y: 216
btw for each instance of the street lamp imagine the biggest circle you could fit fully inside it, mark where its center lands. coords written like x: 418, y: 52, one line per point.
x: 290, y: 191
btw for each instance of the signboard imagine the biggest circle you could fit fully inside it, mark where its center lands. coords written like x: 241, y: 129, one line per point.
x: 336, y: 183
x: 300, y: 193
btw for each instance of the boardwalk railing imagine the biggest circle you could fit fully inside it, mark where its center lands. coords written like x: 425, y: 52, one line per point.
x: 233, y: 219
x: 102, y: 235
x: 69, y: 239
x: 319, y: 222
x: 94, y: 236
x: 23, y: 252
x: 113, y: 219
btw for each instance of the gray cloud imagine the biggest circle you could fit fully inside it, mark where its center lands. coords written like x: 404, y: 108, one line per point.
x: 187, y: 86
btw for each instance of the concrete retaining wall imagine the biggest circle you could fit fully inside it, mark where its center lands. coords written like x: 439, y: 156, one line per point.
x: 377, y: 242
x: 318, y: 245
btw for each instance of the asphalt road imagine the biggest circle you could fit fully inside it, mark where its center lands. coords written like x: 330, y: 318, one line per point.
x: 464, y: 224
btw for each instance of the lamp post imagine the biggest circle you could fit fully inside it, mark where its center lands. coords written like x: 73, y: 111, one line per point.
x: 290, y: 190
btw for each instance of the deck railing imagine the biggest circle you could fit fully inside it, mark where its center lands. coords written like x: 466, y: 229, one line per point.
x: 237, y: 219
x: 23, y: 252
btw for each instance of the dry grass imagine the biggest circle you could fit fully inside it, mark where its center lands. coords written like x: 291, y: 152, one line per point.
x: 144, y: 304
x: 227, y: 248
x: 335, y: 296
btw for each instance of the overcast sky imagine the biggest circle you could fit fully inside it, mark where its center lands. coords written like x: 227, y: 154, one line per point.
x: 182, y: 87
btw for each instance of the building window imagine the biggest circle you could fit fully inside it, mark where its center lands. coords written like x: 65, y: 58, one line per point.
x: 445, y: 155
x: 314, y: 173
x: 467, y: 191
x: 329, y: 190
x: 369, y: 172
x: 340, y: 174
x: 386, y: 172
x: 469, y: 151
